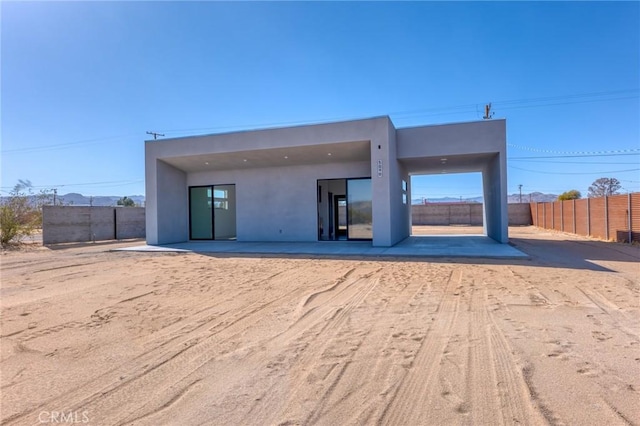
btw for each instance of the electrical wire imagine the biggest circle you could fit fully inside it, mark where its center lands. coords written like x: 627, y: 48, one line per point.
x: 577, y: 162
x: 471, y: 108
x: 64, y: 145
x: 550, y: 151
x: 431, y: 111
x: 575, y: 156
x: 573, y: 173
x: 115, y: 182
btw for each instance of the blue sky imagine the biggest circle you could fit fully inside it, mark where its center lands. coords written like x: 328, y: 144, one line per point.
x: 83, y: 81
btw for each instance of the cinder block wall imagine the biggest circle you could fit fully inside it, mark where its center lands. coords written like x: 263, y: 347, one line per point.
x: 520, y: 214
x: 130, y: 223
x: 444, y: 214
x: 66, y: 224
x: 102, y: 223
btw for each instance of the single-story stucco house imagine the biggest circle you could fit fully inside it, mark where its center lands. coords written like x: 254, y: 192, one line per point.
x: 346, y: 180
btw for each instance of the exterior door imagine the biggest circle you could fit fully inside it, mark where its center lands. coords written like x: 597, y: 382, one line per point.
x: 359, y: 209
x: 212, y: 212
x: 200, y: 213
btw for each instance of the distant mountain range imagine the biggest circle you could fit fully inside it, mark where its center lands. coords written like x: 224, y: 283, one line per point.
x: 75, y: 199
x: 513, y: 198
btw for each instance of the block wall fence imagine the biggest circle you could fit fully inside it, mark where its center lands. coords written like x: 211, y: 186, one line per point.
x: 444, y: 214
x: 614, y: 218
x: 66, y: 224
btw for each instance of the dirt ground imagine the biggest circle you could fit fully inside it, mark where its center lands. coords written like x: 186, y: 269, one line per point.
x: 167, y: 338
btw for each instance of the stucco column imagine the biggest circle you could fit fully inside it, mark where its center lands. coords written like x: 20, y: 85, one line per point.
x: 380, y: 184
x: 167, y: 208
x: 496, y: 219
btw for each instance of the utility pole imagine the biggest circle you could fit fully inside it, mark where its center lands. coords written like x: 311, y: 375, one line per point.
x: 155, y: 134
x: 487, y: 112
x: 55, y: 193
x: 520, y: 188
x: 91, y: 201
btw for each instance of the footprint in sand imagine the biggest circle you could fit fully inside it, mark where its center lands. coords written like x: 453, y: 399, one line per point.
x: 587, y: 370
x: 600, y: 336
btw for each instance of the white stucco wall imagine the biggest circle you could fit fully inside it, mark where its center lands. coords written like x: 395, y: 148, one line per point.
x: 286, y: 195
x: 167, y: 202
x: 400, y: 222
x: 478, y: 146
x: 278, y: 204
x: 475, y: 137
x: 382, y: 151
x: 494, y: 184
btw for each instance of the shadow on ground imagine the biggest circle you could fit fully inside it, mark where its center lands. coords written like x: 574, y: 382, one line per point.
x: 541, y: 251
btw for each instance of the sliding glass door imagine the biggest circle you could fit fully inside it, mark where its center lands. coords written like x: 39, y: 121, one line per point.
x: 224, y: 212
x: 201, y: 213
x: 345, y: 209
x: 212, y: 212
x: 359, y: 209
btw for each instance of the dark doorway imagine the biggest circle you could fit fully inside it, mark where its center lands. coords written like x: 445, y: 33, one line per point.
x: 340, y: 216
x: 344, y: 209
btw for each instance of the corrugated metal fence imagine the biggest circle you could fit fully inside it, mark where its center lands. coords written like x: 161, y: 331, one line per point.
x: 615, y: 218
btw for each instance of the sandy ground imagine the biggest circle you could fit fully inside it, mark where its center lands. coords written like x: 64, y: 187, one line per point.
x: 167, y: 338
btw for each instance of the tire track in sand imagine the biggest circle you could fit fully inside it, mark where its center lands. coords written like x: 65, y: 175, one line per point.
x: 511, y: 402
x: 333, y: 306
x: 414, y: 389
x: 355, y: 394
x: 160, y: 366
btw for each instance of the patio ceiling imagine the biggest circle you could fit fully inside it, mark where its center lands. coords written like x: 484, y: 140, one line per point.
x: 447, y: 164
x: 274, y: 157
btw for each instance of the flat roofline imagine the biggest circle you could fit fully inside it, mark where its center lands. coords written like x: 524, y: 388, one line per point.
x: 452, y: 123
x: 276, y: 127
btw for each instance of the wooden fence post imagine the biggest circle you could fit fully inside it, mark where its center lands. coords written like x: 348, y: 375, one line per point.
x: 588, y: 218
x: 606, y: 218
x: 574, y: 216
x: 629, y: 216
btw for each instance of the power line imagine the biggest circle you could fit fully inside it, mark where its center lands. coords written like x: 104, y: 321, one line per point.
x: 62, y: 185
x: 519, y: 101
x: 575, y: 156
x: 63, y: 145
x: 580, y: 95
x: 551, y: 151
x: 432, y: 111
x: 573, y: 162
x: 573, y: 173
x: 470, y: 108
x: 570, y: 103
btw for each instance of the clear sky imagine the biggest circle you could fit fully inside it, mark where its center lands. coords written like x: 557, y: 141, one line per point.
x: 83, y: 81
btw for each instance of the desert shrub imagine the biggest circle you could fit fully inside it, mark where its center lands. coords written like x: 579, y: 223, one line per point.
x: 574, y: 194
x: 21, y: 212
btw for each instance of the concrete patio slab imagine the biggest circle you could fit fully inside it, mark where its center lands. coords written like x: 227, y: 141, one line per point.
x: 478, y: 246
